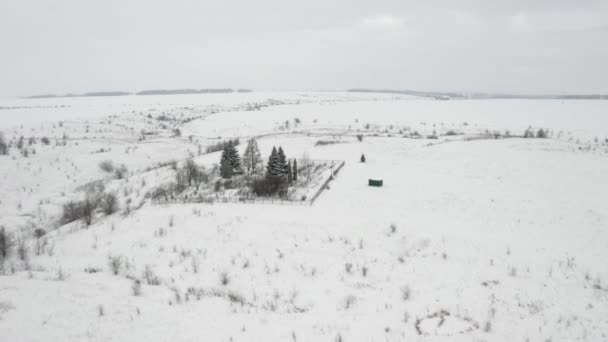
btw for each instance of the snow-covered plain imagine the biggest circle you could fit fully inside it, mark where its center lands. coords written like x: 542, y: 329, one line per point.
x: 468, y: 239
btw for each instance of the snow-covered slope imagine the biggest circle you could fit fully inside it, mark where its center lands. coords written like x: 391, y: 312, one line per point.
x: 495, y: 240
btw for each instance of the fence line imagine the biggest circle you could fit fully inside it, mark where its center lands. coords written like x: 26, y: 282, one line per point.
x: 255, y: 200
x: 324, y: 186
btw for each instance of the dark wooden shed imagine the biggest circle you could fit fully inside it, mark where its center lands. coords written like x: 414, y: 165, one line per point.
x: 375, y: 182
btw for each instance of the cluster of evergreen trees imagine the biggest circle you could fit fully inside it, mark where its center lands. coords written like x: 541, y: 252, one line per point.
x: 280, y: 171
x: 541, y: 133
x: 279, y: 166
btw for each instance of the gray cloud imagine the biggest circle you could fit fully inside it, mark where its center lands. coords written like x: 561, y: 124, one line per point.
x: 515, y: 46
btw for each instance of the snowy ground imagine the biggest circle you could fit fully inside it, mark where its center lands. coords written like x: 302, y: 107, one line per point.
x: 494, y: 240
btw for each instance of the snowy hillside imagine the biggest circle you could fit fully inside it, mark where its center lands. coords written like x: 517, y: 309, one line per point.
x: 478, y: 234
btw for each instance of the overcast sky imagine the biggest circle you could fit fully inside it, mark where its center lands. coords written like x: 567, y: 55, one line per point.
x: 516, y: 46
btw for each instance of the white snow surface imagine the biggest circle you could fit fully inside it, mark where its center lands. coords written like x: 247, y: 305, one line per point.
x: 480, y: 240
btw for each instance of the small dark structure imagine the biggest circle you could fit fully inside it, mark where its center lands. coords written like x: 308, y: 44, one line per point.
x: 375, y: 182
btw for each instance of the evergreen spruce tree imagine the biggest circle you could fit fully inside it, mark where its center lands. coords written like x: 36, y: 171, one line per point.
x: 226, y: 170
x: 271, y: 166
x: 282, y: 162
x: 230, y: 156
x: 294, y: 170
x: 363, y: 158
x: 233, y: 156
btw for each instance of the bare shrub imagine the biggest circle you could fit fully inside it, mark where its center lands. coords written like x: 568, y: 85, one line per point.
x: 393, y: 228
x: 40, y: 245
x: 136, y: 287
x: 224, y: 278
x: 349, y: 301
x: 487, y: 327
x: 6, y: 244
x: 160, y: 193
x: 91, y: 269
x: 3, y: 145
x: 60, y: 274
x: 115, y: 263
x: 406, y: 293
x: 106, y: 166
x: 76, y: 210
x: 121, y: 172
x: 195, y: 264
x: 88, y: 209
x: 220, y: 145
x: 192, y: 173
x: 150, y: 276
x: 39, y: 232
x: 327, y: 142
x: 22, y: 250
x: 109, y: 203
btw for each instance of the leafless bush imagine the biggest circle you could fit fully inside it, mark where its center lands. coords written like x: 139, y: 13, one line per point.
x: 115, y: 263
x: 88, y: 209
x: 195, y: 264
x: 39, y: 232
x: 91, y: 269
x: 224, y: 278
x: 60, y: 274
x: 76, y: 210
x: 136, y: 287
x: 349, y: 301
x: 150, y: 276
x: 106, y: 166
x: 406, y: 293
x: 40, y: 245
x: 220, y: 145
x: 109, y: 203
x: 6, y: 244
x: 121, y: 172
x: 487, y: 326
x: 327, y: 142
x: 22, y: 250
x: 3, y: 145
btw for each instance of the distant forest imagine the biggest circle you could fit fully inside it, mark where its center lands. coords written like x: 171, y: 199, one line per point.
x: 455, y: 95
x: 145, y: 92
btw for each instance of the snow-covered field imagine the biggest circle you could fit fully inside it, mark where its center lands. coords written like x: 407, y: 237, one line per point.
x: 470, y: 239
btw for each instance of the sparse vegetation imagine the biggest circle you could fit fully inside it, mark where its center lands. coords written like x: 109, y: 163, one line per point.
x: 109, y: 203
x: 6, y: 244
x: 3, y: 145
x: 115, y: 263
x: 106, y: 166
x: 136, y: 287
x: 221, y: 145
